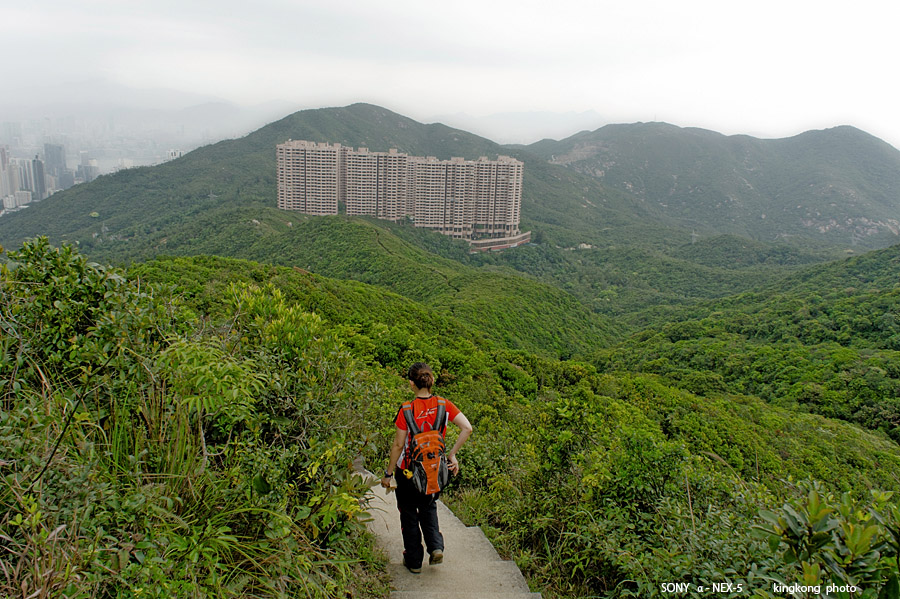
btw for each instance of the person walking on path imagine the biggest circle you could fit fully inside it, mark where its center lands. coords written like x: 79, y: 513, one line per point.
x: 418, y: 511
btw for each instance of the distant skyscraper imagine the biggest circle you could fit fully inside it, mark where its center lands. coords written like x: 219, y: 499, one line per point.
x: 87, y: 171
x: 66, y: 180
x: 13, y: 178
x: 23, y: 197
x: 26, y: 174
x: 375, y: 183
x: 477, y: 200
x: 38, y: 183
x: 5, y: 187
x: 55, y: 159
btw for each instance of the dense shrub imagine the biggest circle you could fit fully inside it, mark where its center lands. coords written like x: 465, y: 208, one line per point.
x: 148, y: 454
x: 187, y: 430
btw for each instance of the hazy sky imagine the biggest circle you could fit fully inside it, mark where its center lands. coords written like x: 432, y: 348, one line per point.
x: 767, y: 68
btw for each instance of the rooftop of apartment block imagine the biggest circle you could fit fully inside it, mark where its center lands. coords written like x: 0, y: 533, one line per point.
x: 301, y: 143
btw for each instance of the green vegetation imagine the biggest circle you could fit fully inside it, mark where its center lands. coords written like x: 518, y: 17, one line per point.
x: 566, y: 457
x: 147, y: 455
x: 206, y: 411
x: 647, y: 409
x: 835, y: 186
x: 220, y: 200
x: 504, y: 305
x: 644, y: 185
x: 824, y: 341
x: 150, y: 207
x: 622, y: 281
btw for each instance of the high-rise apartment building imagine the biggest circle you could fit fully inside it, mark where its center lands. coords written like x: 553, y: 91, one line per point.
x: 308, y: 178
x: 23, y: 197
x: 477, y: 200
x: 375, y: 183
x: 55, y: 159
x: 38, y: 181
x: 5, y: 179
x: 499, y: 182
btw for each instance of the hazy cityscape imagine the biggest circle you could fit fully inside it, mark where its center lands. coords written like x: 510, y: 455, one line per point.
x: 79, y: 132
x: 74, y: 135
x: 39, y: 157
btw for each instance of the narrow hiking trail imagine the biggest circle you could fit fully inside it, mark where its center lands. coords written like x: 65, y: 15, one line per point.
x: 471, y: 568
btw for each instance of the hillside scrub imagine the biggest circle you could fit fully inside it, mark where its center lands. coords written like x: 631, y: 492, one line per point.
x: 187, y: 429
x: 145, y: 455
x: 505, y: 306
x: 823, y: 340
x: 597, y: 484
x: 614, y: 484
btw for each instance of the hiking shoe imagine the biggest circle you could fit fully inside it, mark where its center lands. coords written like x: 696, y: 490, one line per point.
x: 411, y: 569
x: 435, y: 557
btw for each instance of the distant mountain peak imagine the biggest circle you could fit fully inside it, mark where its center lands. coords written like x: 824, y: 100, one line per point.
x: 839, y: 185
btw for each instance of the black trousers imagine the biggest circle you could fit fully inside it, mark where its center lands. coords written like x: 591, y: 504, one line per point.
x: 418, y: 520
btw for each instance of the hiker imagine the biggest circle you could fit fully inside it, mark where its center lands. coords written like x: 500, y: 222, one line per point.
x: 418, y: 510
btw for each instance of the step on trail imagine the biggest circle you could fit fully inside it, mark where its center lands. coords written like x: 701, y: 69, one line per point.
x: 471, y: 569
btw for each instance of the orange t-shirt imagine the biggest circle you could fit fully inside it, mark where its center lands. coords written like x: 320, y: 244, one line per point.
x: 424, y: 411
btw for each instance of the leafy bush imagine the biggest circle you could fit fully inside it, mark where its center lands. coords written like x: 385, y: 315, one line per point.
x: 851, y: 546
x: 195, y: 440
x: 148, y: 454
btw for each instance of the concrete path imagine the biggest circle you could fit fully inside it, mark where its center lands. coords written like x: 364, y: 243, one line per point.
x: 471, y: 568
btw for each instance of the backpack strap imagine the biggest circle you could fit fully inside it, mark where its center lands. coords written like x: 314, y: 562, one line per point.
x: 411, y: 426
x: 440, y: 419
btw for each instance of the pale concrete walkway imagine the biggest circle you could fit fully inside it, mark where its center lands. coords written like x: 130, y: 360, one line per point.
x: 471, y: 568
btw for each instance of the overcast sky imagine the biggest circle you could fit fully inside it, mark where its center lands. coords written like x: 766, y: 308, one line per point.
x: 766, y: 68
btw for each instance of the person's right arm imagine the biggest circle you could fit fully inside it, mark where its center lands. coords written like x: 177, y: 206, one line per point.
x: 465, y: 430
x: 397, y: 448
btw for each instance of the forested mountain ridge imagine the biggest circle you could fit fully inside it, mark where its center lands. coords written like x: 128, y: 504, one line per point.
x: 209, y: 200
x: 146, y: 205
x: 566, y: 206
x: 839, y: 186
x: 206, y: 409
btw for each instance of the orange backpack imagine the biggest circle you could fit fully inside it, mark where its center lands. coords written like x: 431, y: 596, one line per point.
x: 426, y: 457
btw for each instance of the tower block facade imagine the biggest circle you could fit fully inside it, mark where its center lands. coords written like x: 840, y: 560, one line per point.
x: 308, y: 178
x: 476, y: 200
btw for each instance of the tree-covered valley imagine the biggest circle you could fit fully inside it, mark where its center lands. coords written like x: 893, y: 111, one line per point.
x: 184, y: 391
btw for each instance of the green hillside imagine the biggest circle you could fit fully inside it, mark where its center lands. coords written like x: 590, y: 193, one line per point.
x: 506, y: 306
x: 826, y: 340
x: 211, y: 408
x: 649, y: 405
x: 839, y: 186
x: 210, y: 200
x: 137, y: 203
x: 628, y: 280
